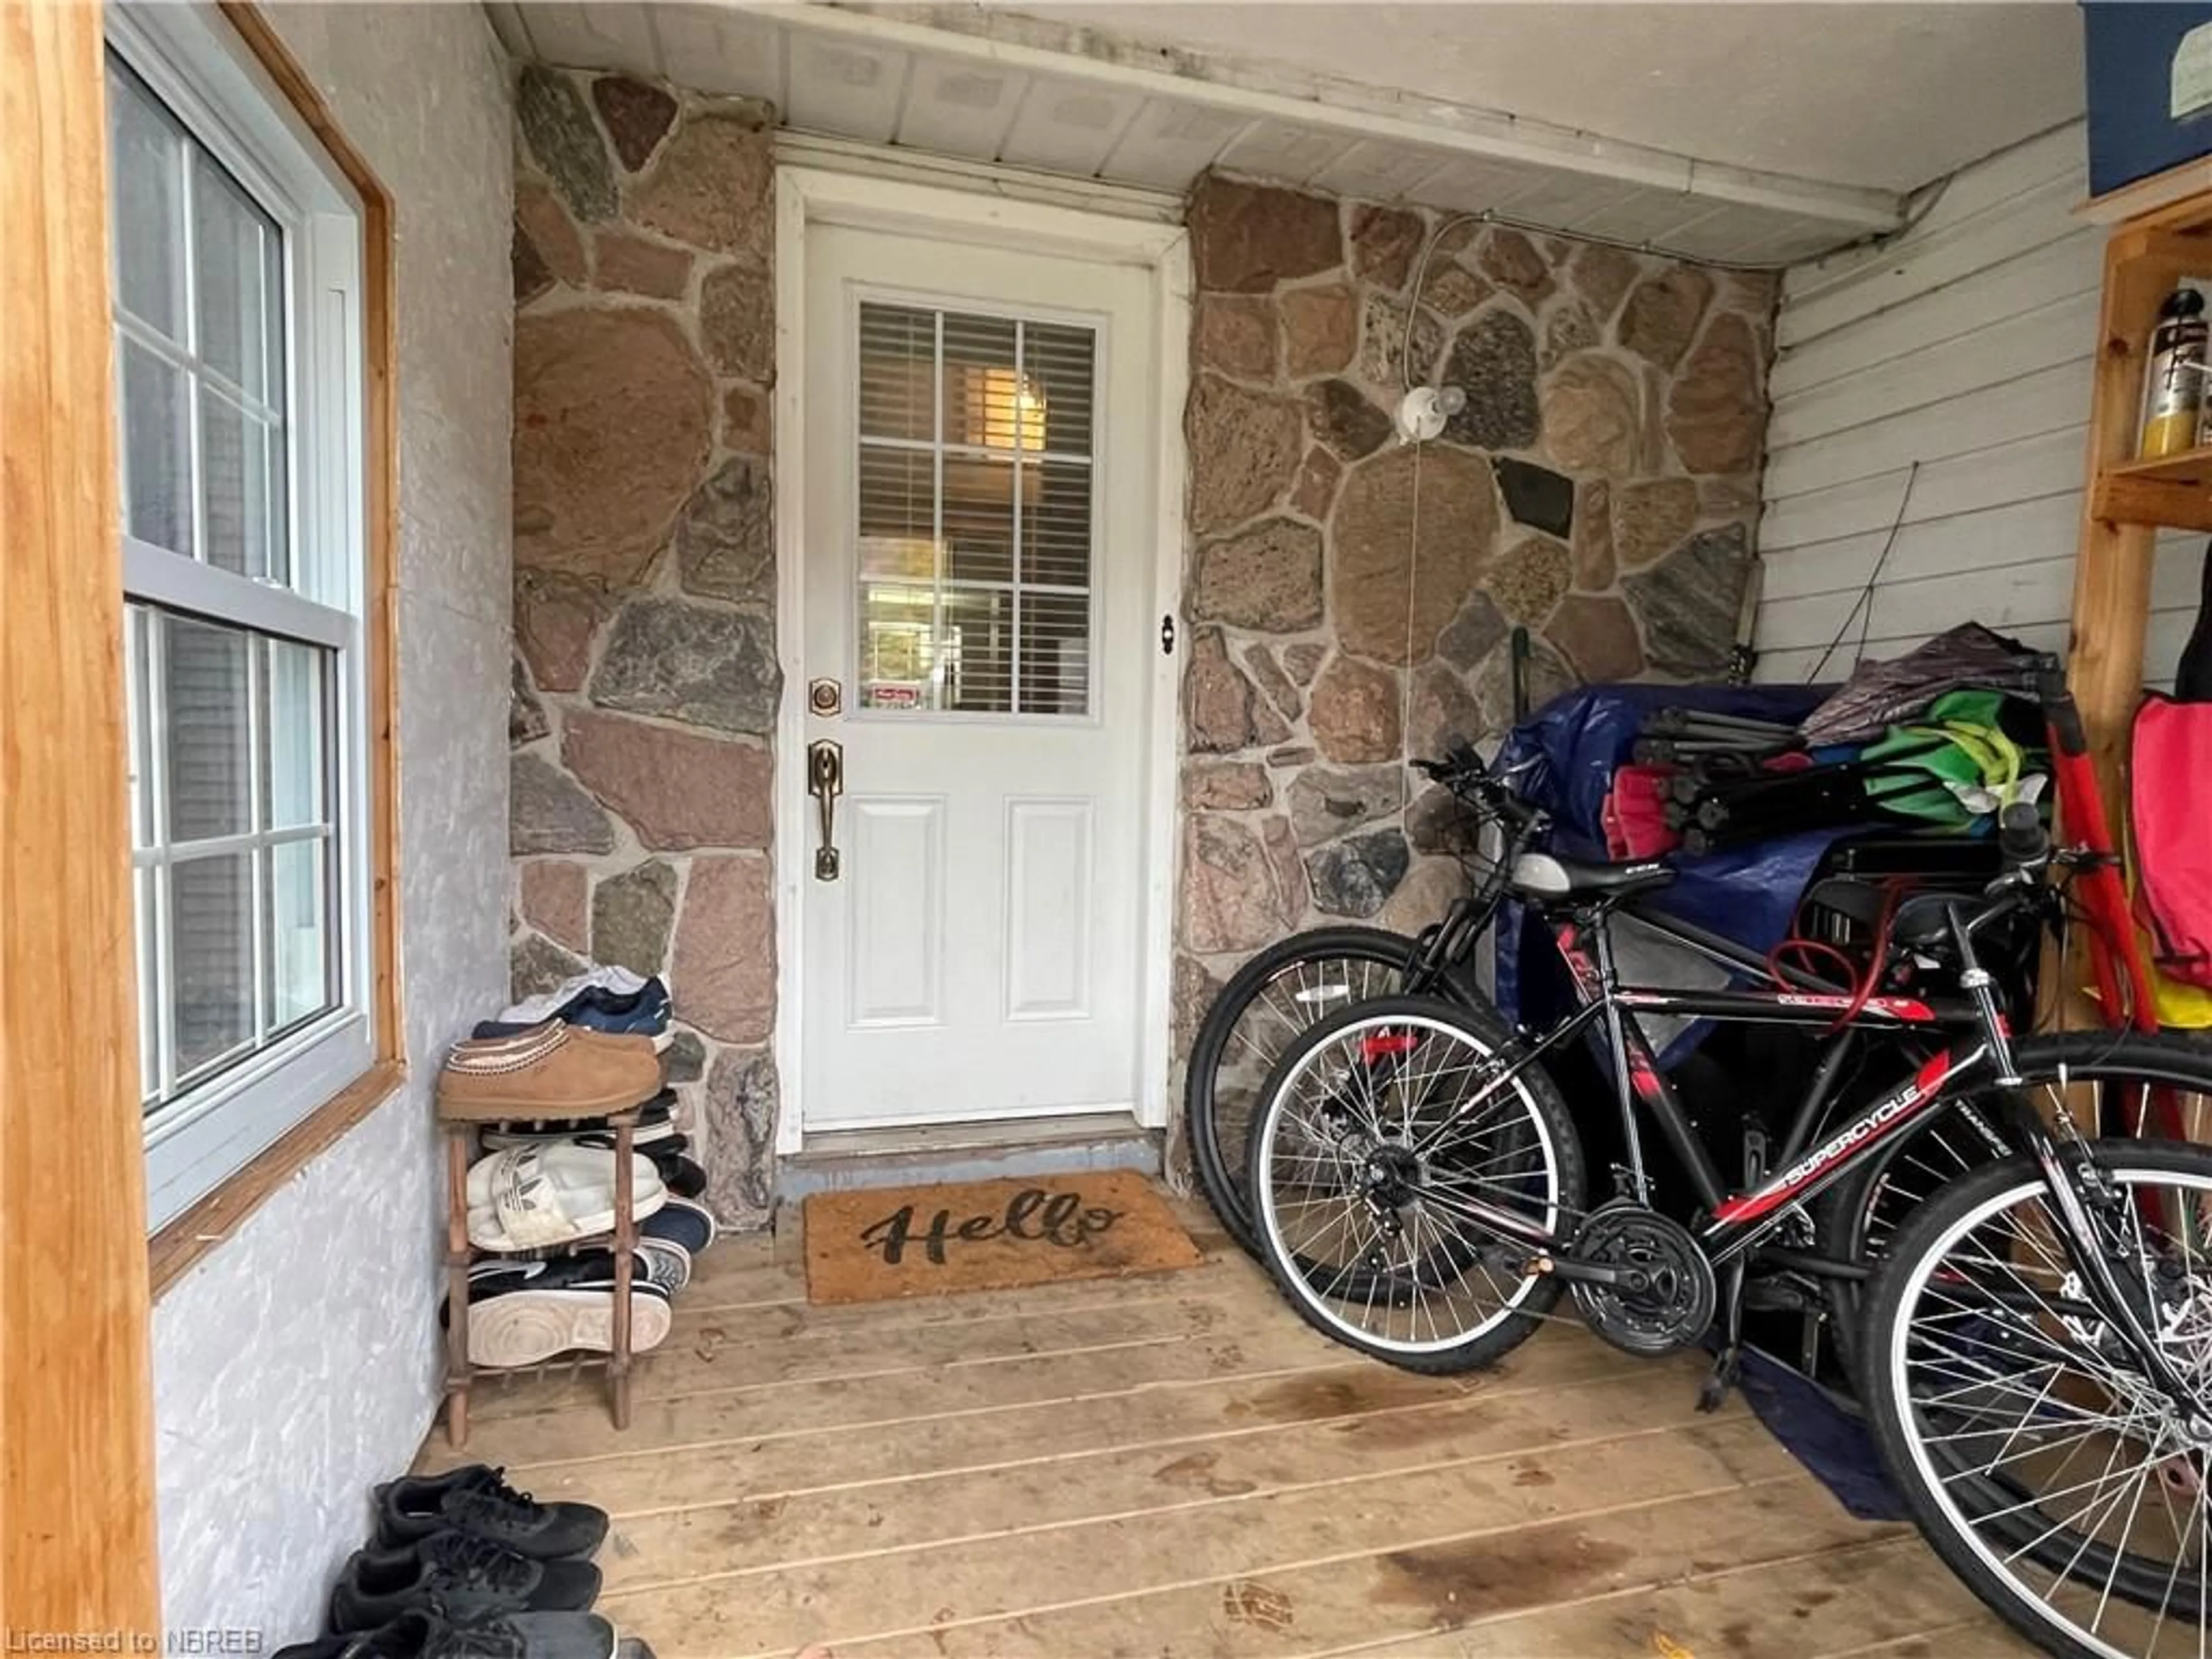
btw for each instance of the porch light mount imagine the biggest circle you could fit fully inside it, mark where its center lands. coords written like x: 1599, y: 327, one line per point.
x: 1425, y: 409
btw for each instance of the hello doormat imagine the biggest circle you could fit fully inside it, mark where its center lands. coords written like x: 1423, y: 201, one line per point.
x: 886, y: 1242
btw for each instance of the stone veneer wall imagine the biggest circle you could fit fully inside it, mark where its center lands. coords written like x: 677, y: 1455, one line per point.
x: 645, y: 678
x: 1601, y: 487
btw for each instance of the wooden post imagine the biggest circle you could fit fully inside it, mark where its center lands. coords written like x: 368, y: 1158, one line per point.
x: 459, y: 1369
x: 76, y: 1416
x: 2112, y: 573
x: 625, y: 1244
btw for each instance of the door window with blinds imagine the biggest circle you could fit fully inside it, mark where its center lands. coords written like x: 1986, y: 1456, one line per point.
x: 976, y: 511
x: 238, y: 390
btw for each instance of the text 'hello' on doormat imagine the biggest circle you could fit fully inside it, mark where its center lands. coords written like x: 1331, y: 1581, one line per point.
x: 886, y: 1242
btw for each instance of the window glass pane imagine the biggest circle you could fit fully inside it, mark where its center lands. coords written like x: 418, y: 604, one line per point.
x: 1058, y: 375
x: 298, y: 932
x: 983, y: 382
x: 239, y: 486
x: 149, y: 985
x: 898, y: 372
x: 211, y: 957
x: 979, y: 519
x: 898, y: 513
x: 145, y: 168
x: 207, y: 753
x: 978, y: 648
x: 235, y: 267
x: 293, y: 726
x: 974, y: 527
x: 1055, y: 653
x: 898, y: 653
x: 1056, y: 525
x: 157, y: 502
x: 136, y: 625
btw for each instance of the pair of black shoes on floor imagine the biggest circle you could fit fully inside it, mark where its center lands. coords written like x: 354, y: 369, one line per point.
x: 463, y: 1566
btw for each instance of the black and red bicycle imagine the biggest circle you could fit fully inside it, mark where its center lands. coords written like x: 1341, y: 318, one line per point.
x: 2034, y: 1336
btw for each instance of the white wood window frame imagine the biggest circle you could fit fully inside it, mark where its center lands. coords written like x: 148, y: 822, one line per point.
x: 195, y: 64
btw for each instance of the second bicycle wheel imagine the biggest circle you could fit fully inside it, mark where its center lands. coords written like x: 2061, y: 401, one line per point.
x: 2041, y: 1461
x: 2103, y: 1077
x: 1267, y: 1005
x: 1387, y: 1140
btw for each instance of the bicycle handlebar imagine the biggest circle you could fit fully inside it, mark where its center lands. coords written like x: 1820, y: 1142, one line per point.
x: 1461, y: 771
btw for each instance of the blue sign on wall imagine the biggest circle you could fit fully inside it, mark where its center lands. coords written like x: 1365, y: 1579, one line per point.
x: 2150, y: 87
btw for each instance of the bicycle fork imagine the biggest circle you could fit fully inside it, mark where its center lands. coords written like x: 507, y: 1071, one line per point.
x: 2092, y: 1237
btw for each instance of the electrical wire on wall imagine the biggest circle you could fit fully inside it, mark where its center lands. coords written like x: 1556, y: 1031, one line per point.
x: 1863, y: 608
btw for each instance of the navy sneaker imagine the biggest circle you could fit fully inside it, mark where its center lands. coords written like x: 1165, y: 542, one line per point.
x: 476, y: 1498
x: 643, y: 1013
x: 681, y: 1221
x: 461, y: 1575
x: 427, y: 1634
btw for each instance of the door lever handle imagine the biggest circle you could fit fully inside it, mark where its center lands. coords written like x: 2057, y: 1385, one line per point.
x: 825, y: 781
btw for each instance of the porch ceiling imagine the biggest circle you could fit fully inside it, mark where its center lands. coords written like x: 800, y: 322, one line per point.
x: 1043, y: 94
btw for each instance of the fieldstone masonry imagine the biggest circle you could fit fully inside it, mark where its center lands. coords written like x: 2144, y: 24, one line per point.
x: 646, y: 679
x: 1599, y: 488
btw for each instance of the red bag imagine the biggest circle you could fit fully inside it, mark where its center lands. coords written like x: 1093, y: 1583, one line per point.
x: 2171, y: 797
x: 1635, y: 813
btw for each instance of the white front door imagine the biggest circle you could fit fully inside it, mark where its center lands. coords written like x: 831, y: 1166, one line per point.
x: 978, y: 573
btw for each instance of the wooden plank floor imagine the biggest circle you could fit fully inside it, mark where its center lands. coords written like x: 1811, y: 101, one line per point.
x: 1175, y: 1467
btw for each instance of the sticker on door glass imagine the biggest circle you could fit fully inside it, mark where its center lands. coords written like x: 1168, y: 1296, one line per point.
x: 975, y: 513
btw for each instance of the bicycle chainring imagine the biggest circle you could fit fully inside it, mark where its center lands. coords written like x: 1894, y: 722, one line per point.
x: 1672, y: 1301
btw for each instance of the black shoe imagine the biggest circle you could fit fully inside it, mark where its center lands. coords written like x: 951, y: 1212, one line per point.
x: 592, y: 1269
x: 682, y: 1176
x: 425, y: 1635
x: 656, y: 1120
x: 474, y: 1499
x: 465, y: 1577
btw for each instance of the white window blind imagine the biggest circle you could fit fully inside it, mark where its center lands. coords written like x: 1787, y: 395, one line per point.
x: 975, y: 512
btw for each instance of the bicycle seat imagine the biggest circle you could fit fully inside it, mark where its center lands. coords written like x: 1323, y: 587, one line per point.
x: 1546, y: 875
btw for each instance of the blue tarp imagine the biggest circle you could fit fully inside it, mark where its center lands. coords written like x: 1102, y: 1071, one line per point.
x: 1571, y: 748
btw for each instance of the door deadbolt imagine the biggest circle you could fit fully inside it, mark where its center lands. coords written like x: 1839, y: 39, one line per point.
x: 825, y: 781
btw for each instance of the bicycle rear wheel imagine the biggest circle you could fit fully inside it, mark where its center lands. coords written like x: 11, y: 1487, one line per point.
x: 1267, y: 1005
x: 2039, y: 1460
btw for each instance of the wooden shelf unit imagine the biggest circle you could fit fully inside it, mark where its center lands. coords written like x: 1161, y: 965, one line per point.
x: 2173, y: 492
x: 2128, y: 499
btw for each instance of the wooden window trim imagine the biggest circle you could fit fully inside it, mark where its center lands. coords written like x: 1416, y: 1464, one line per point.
x: 204, y: 1226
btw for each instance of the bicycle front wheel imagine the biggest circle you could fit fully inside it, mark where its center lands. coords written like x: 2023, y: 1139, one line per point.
x: 1268, y: 1003
x: 2099, y: 1077
x: 1385, y: 1136
x: 2038, y: 1459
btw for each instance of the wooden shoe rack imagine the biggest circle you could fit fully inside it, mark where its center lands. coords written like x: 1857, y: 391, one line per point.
x: 461, y: 1126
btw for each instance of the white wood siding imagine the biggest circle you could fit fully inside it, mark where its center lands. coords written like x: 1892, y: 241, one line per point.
x: 1965, y: 346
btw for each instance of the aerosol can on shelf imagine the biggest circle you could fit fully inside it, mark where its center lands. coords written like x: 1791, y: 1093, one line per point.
x: 2173, y: 394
